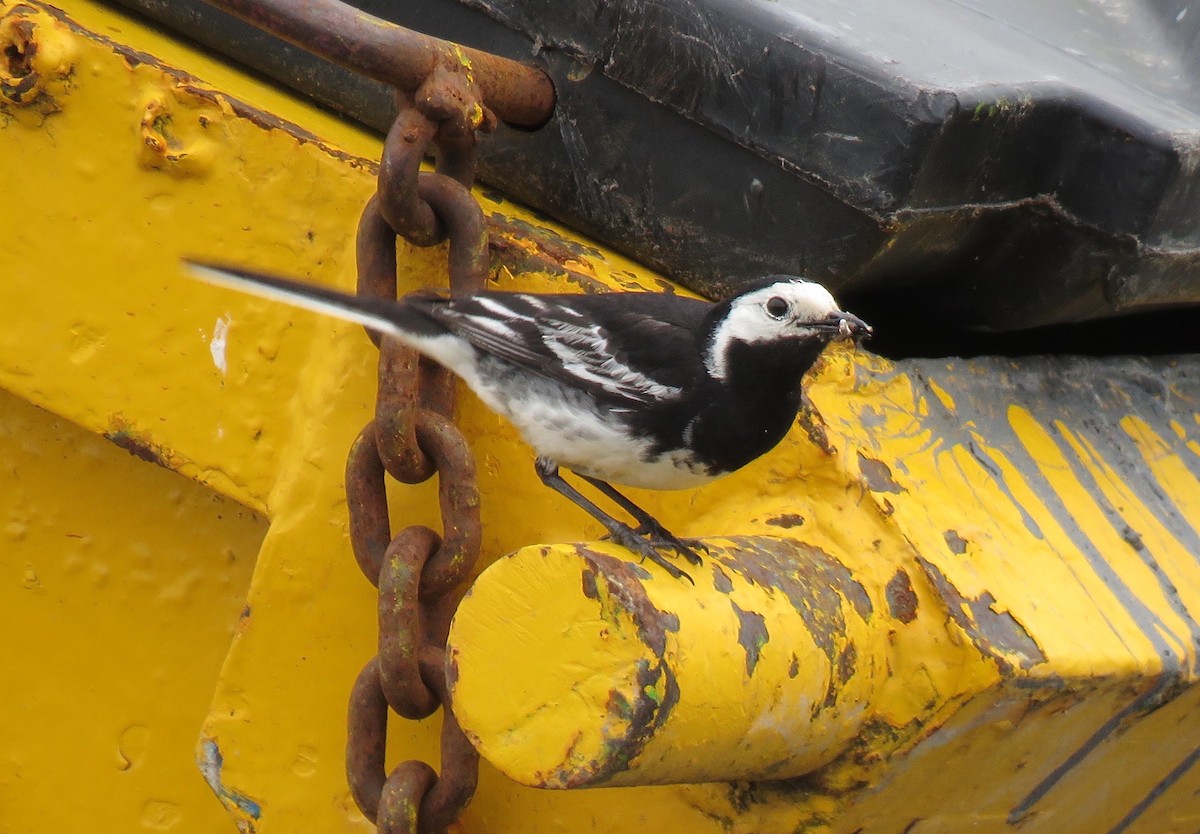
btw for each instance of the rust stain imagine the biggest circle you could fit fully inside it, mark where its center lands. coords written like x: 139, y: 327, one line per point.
x: 721, y: 580
x: 589, y: 584
x: 657, y: 689
x: 786, y: 520
x: 813, y: 424
x: 22, y: 46
x: 124, y: 435
x: 22, y: 84
x: 901, y: 599
x: 562, y: 249
x: 752, y: 635
x: 877, y: 475
x: 523, y: 247
x: 813, y: 582
x: 996, y: 634
x: 194, y: 86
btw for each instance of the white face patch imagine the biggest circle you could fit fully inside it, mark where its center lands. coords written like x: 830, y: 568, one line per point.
x: 773, y: 313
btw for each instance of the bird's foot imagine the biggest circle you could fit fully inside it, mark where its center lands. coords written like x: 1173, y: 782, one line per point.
x: 684, y: 547
x: 629, y: 539
x: 660, y: 536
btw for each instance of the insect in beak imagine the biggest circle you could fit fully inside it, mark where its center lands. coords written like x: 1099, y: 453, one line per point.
x: 847, y: 326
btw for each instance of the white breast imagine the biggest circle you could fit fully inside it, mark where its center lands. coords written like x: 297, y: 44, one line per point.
x: 567, y: 427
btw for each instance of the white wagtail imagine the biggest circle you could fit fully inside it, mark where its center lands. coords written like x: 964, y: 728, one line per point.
x: 643, y: 389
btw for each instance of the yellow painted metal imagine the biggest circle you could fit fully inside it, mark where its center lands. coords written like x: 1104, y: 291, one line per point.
x: 120, y: 586
x: 764, y: 669
x: 1028, y: 631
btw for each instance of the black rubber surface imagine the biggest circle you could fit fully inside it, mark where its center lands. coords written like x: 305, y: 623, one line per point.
x: 989, y: 165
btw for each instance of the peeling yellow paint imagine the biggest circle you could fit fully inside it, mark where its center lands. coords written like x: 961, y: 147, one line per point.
x: 765, y: 668
x: 1181, y: 487
x: 172, y: 127
x: 40, y: 63
x: 464, y: 61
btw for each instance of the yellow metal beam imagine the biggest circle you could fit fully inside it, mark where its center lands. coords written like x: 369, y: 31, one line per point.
x: 1026, y: 532
x: 764, y: 669
x: 121, y: 584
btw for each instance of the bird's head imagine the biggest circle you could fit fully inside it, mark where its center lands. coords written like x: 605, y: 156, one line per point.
x: 777, y: 317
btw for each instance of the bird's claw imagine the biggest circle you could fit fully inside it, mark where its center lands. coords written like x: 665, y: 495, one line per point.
x: 629, y: 539
x: 684, y: 547
x: 660, y: 536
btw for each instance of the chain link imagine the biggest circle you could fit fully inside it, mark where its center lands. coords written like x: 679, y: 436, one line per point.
x: 445, y: 95
x: 412, y: 437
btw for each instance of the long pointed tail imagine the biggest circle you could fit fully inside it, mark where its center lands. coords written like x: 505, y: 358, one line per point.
x: 394, y: 317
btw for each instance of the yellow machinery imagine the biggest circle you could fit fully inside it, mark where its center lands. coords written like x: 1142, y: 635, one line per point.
x: 953, y: 600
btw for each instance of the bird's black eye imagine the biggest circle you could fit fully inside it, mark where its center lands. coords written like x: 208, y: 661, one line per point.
x: 776, y: 307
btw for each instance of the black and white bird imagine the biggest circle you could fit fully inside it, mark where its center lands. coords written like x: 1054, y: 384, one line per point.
x: 640, y: 389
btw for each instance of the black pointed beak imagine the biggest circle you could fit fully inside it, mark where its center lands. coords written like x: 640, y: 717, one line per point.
x: 845, y: 325
x: 852, y: 327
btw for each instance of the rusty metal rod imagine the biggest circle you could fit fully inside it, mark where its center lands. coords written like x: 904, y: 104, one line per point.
x: 518, y: 94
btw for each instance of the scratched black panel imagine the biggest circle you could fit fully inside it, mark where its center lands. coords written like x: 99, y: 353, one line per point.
x: 971, y: 164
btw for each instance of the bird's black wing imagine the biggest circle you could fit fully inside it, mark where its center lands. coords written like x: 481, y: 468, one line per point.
x: 623, y: 348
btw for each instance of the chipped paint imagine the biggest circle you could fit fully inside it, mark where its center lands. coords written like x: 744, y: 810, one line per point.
x: 38, y: 66
x: 791, y: 663
x: 955, y: 542
x: 877, y: 475
x: 218, y: 342
x: 994, y: 632
x: 1054, y: 498
x: 901, y: 599
x: 244, y: 810
x: 960, y: 651
x: 752, y: 635
x: 136, y: 443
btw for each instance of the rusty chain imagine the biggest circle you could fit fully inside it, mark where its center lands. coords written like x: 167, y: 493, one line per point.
x: 444, y: 95
x: 518, y: 94
x: 412, y: 437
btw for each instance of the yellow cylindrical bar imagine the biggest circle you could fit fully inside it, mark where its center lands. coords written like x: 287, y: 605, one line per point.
x: 574, y: 665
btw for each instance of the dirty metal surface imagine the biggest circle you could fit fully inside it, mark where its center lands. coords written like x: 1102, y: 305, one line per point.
x: 1022, y: 539
x: 1024, y: 532
x: 765, y: 669
x: 995, y: 164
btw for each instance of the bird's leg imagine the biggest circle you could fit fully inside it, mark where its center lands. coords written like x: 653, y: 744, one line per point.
x: 618, y: 531
x: 648, y: 524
